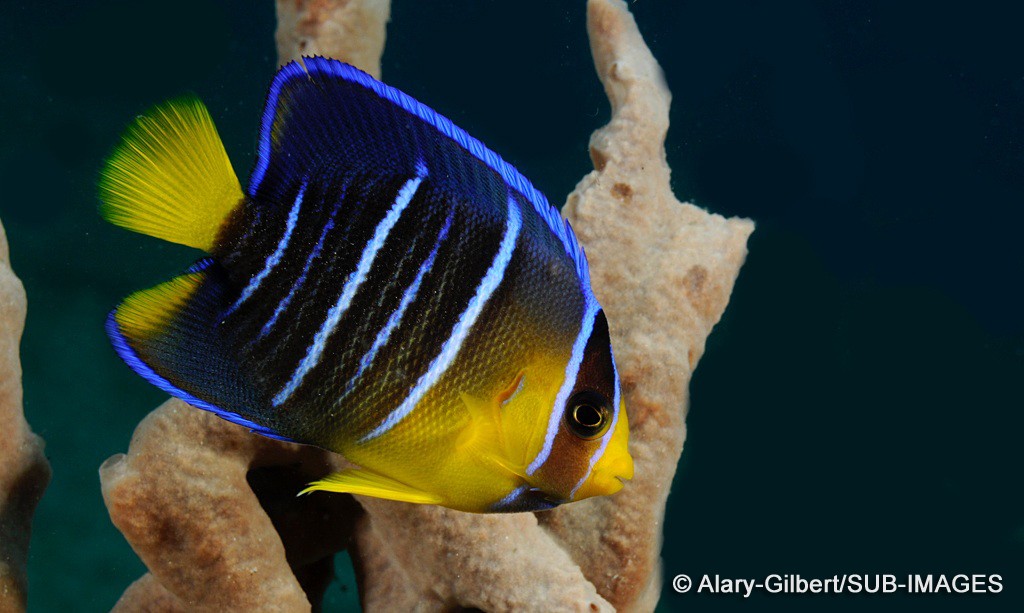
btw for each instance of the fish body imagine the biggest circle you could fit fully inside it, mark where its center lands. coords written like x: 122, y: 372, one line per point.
x: 386, y: 287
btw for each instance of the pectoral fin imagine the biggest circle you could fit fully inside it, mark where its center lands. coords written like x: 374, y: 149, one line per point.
x: 482, y: 437
x: 367, y: 483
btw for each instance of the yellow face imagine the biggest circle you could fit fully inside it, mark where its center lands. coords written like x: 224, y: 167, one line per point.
x: 553, y: 432
x: 613, y: 466
x: 567, y: 427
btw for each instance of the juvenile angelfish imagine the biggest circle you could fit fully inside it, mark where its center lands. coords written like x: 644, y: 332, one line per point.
x: 387, y: 288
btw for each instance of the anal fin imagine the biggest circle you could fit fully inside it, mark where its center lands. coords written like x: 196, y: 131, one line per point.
x: 368, y: 483
x: 168, y: 335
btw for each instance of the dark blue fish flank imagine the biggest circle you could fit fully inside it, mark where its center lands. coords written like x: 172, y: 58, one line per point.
x: 386, y: 287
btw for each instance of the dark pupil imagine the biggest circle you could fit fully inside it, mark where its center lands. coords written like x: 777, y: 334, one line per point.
x: 589, y: 415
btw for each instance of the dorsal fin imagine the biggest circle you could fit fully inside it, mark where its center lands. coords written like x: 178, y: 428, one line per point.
x: 170, y: 176
x: 323, y: 115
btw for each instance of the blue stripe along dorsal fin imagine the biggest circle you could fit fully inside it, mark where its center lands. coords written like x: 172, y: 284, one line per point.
x: 167, y: 334
x: 323, y: 115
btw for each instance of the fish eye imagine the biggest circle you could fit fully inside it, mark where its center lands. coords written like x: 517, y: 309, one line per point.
x: 588, y: 414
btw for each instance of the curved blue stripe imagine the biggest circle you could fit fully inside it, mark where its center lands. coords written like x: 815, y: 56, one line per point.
x: 302, y: 277
x: 510, y: 498
x: 274, y: 258
x: 132, y: 359
x: 596, y: 456
x: 288, y: 72
x: 200, y: 265
x: 396, y: 317
x: 572, y: 370
x: 511, y: 176
x: 352, y: 285
x: 463, y: 326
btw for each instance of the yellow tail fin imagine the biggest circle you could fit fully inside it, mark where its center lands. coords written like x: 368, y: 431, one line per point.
x: 170, y: 176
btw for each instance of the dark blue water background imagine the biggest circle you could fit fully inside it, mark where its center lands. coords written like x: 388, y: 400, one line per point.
x: 860, y: 407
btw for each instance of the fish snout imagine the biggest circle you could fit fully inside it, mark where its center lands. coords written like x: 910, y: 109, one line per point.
x: 614, y: 468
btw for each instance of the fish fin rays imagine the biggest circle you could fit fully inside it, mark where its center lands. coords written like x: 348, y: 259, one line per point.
x: 482, y: 436
x: 167, y: 334
x: 170, y: 176
x: 147, y: 313
x: 369, y: 483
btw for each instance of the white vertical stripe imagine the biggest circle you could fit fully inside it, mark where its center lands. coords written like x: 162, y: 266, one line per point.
x: 572, y: 369
x: 355, y: 279
x: 281, y: 306
x: 396, y: 316
x: 274, y: 258
x: 596, y: 456
x: 451, y: 347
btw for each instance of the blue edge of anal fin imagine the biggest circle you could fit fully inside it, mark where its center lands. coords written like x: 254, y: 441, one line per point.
x: 131, y: 358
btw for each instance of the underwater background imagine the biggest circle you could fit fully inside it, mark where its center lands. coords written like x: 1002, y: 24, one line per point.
x: 860, y: 407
